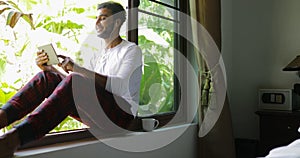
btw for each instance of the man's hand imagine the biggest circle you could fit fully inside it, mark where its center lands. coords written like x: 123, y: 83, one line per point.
x: 41, y: 61
x: 67, y: 64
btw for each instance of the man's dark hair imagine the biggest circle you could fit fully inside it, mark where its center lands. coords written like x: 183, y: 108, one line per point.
x: 116, y: 8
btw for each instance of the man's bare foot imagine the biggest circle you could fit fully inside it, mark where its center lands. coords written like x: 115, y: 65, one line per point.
x: 3, y: 119
x: 9, y: 143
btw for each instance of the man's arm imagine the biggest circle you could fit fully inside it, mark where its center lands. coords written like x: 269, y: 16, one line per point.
x: 100, y: 79
x: 69, y: 65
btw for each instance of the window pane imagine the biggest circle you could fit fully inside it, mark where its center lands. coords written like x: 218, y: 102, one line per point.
x: 158, y: 9
x: 169, y: 2
x: 157, y: 41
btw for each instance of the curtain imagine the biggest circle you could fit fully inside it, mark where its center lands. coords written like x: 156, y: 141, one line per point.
x: 219, y: 141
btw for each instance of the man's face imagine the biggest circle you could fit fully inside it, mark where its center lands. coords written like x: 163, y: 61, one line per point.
x: 104, y: 23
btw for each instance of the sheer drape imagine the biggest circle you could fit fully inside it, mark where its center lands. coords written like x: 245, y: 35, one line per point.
x: 219, y: 142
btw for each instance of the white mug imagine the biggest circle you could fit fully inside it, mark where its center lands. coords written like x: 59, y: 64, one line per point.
x: 149, y: 124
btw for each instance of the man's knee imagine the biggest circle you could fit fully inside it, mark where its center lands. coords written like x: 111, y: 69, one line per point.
x: 76, y: 79
x: 49, y: 75
x: 74, y: 76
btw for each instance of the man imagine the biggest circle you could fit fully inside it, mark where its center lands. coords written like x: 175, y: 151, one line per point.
x: 116, y: 78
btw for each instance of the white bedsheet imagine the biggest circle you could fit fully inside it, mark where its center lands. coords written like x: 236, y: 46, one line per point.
x: 290, y: 151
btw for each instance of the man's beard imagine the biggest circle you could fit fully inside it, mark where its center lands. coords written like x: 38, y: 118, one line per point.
x: 106, y: 33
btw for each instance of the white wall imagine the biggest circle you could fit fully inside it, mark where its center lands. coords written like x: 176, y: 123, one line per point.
x: 260, y: 37
x: 185, y: 146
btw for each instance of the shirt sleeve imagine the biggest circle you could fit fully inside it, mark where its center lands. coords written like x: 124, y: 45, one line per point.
x: 128, y: 76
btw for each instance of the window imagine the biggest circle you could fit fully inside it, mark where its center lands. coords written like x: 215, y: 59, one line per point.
x: 158, y: 32
x: 158, y: 24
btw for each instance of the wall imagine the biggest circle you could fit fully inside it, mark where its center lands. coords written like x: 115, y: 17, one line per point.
x: 259, y: 39
x: 184, y: 146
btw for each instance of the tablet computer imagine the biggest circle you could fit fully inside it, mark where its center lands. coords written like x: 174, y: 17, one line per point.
x: 49, y: 49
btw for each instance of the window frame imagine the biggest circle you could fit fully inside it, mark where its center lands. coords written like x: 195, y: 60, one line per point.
x: 165, y: 118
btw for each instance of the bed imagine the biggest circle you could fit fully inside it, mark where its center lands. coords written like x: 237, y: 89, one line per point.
x: 289, y: 151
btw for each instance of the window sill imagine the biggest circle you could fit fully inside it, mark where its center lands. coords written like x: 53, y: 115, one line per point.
x: 26, y: 153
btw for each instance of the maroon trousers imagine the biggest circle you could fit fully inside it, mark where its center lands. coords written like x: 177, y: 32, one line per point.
x: 50, y: 98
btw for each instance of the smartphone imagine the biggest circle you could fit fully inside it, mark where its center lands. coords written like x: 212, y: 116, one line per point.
x: 49, y: 49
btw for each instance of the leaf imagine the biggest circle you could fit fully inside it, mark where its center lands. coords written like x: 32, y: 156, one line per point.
x: 2, y: 64
x: 78, y: 10
x: 29, y: 20
x: 20, y: 52
x: 4, y: 9
x: 72, y: 25
x: 3, y: 3
x: 14, y: 5
x: 91, y: 16
x: 12, y: 18
x: 18, y: 80
x: 150, y: 76
x: 9, y: 95
x: 2, y: 97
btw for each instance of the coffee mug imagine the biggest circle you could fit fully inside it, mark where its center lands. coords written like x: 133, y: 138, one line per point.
x: 149, y: 124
